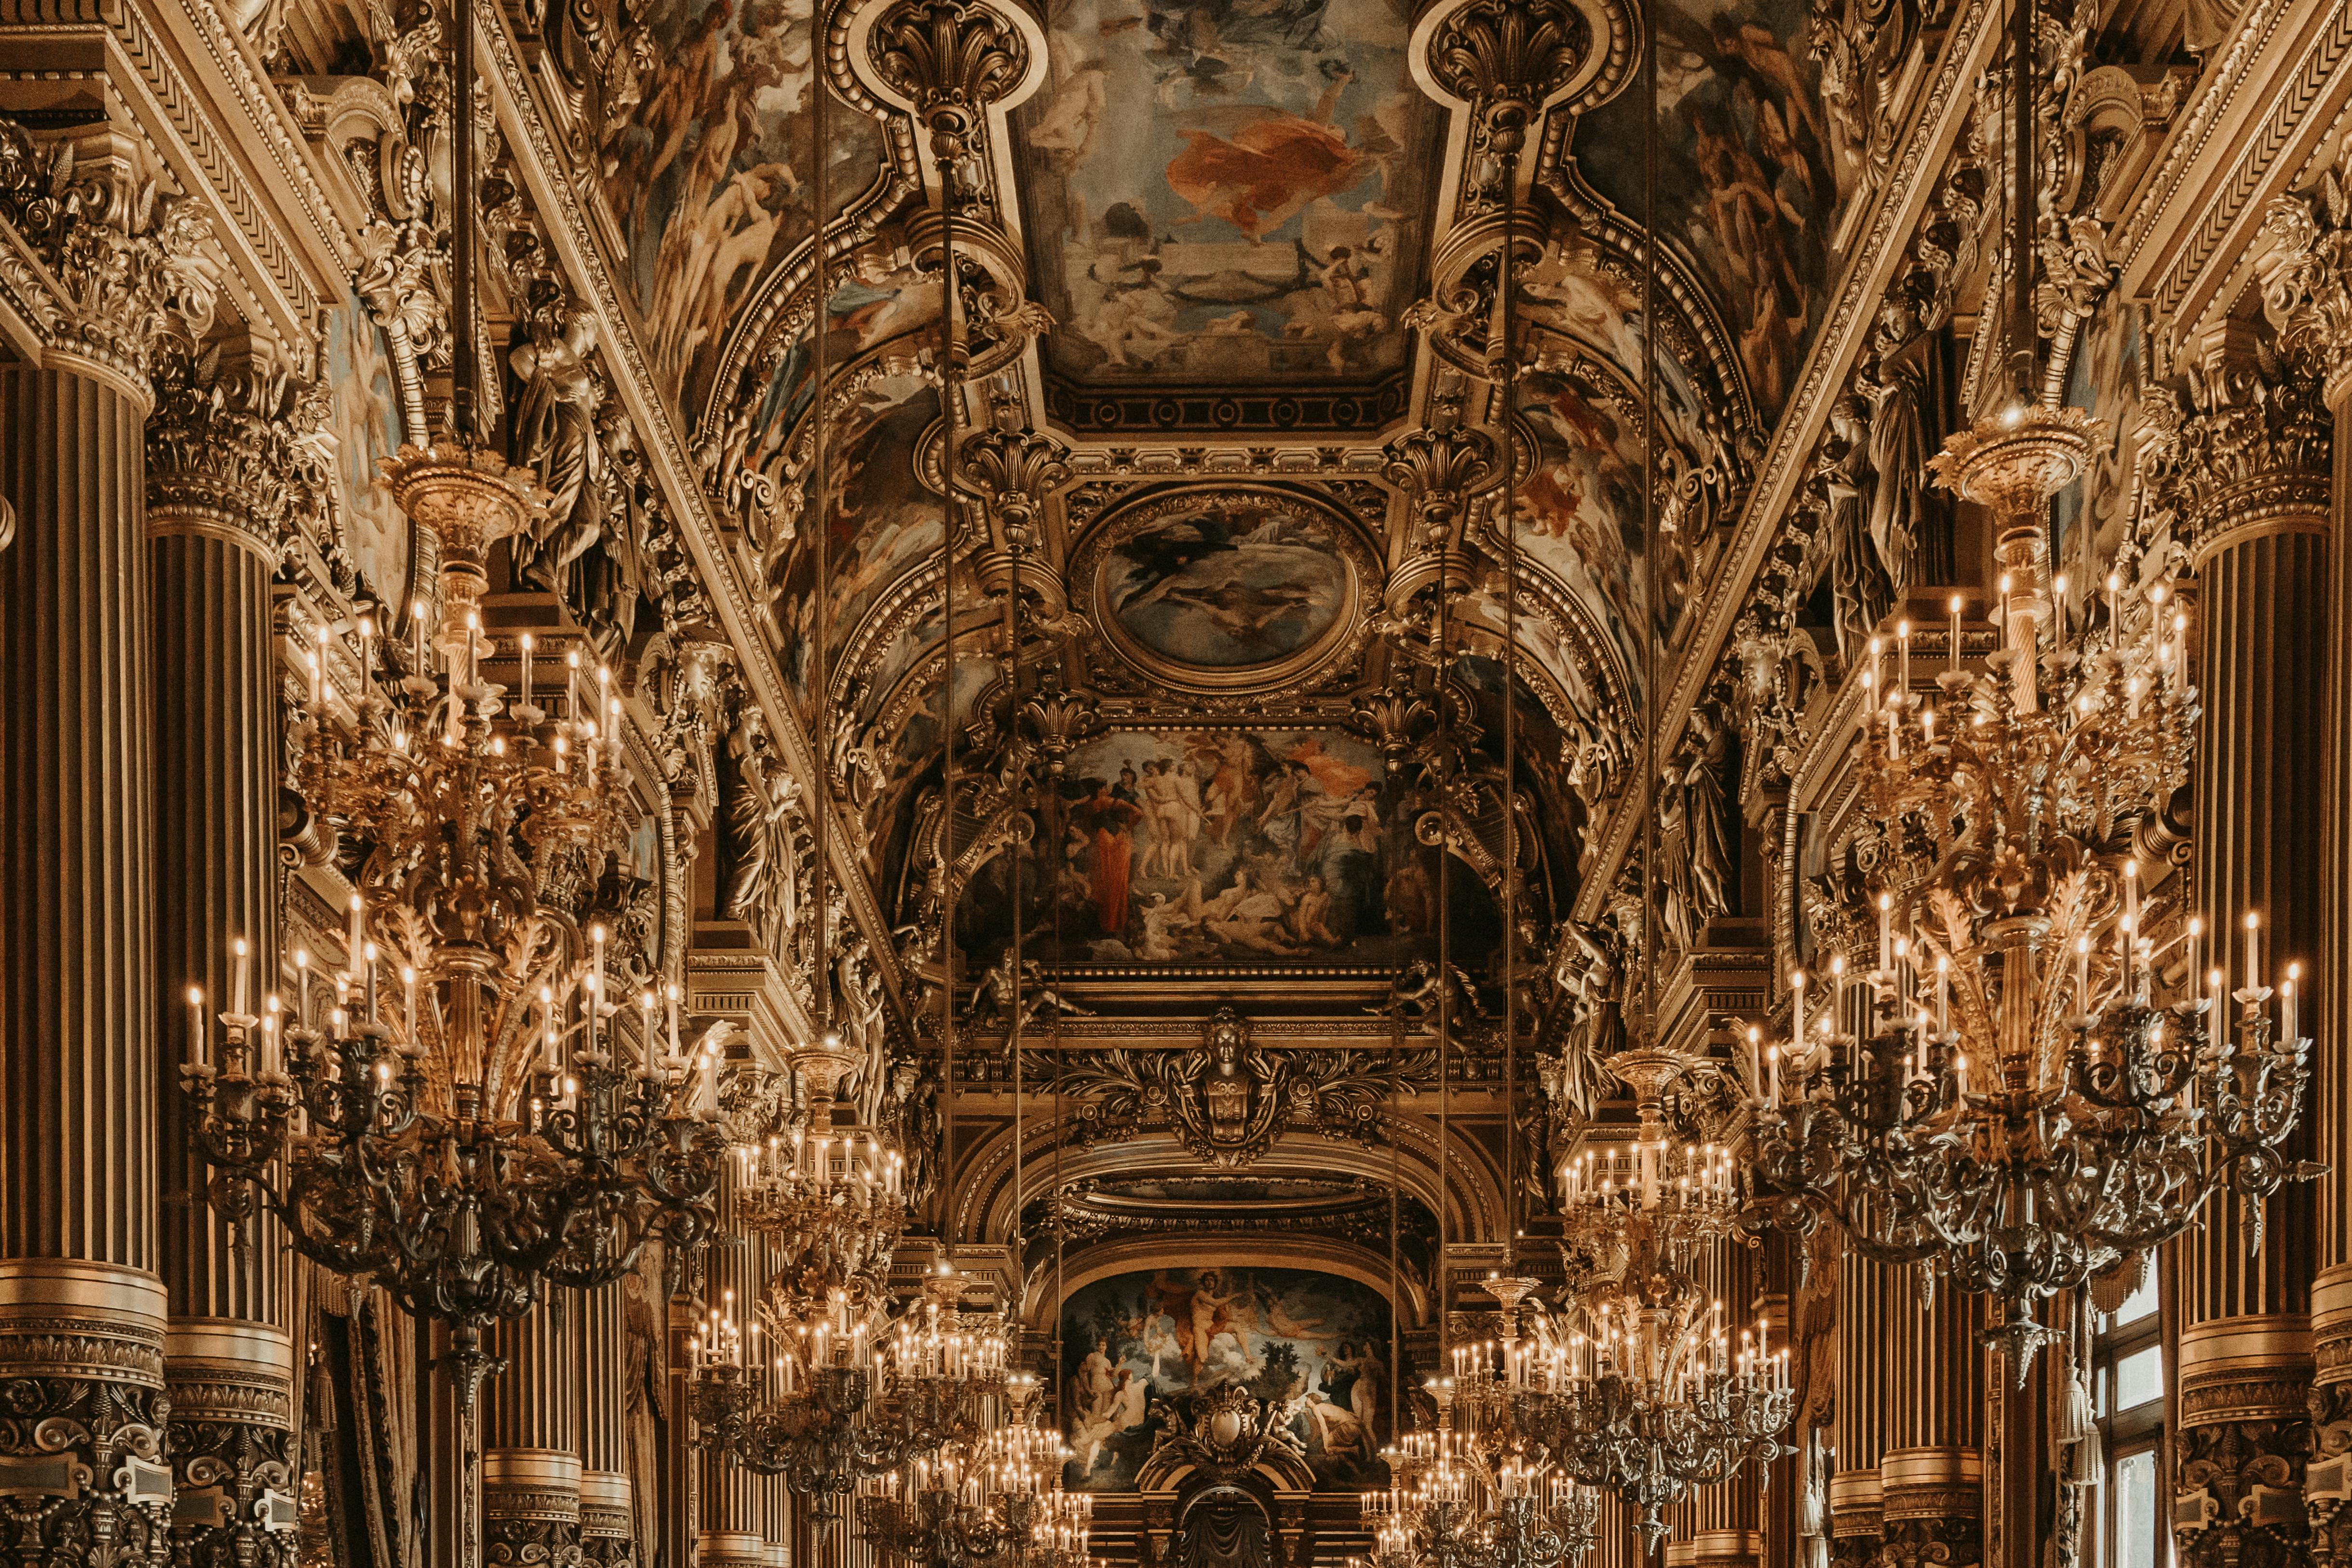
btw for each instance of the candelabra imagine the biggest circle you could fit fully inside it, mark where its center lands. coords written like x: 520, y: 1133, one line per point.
x: 465, y: 1128
x: 1448, y: 1507
x: 2002, y: 1097
x: 994, y: 1499
x: 1636, y: 1386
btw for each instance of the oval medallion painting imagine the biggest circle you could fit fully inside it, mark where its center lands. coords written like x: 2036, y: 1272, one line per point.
x: 1225, y: 588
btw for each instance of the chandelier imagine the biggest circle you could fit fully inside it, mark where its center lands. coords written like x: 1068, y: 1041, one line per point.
x: 995, y: 1499
x: 843, y: 1396
x: 456, y: 1114
x: 832, y: 1199
x: 2002, y: 1096
x: 1635, y: 1384
x: 1452, y: 1505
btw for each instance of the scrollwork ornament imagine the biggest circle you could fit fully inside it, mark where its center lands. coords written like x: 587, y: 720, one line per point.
x: 103, y: 1498
x: 2306, y: 277
x: 2237, y: 1496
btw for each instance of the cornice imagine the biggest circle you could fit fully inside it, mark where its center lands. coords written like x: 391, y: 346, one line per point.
x: 2248, y: 132
x: 1902, y: 200
x: 572, y: 240
x: 185, y: 131
x: 276, y: 143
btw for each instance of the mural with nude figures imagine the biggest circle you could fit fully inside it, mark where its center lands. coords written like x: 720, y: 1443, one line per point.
x: 1138, y: 1348
x: 1186, y: 845
x: 1746, y: 190
x: 1259, y: 221
x: 710, y: 173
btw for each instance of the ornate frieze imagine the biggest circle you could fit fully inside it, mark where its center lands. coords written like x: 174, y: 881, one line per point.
x: 1227, y: 1099
x: 82, y: 1412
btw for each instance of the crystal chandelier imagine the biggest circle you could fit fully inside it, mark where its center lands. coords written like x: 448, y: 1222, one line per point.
x: 1635, y: 1384
x: 996, y: 1500
x: 2001, y: 1096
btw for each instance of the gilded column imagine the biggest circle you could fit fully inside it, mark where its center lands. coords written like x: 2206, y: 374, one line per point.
x: 2245, y: 476
x: 532, y: 1452
x: 732, y: 1524
x: 1931, y: 1469
x: 2308, y: 295
x: 1856, y: 1495
x: 219, y: 471
x: 82, y: 1303
x: 607, y: 1535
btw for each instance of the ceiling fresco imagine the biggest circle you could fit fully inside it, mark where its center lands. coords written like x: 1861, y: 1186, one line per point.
x: 1220, y: 224
x: 709, y: 175
x: 1186, y: 847
x: 1227, y: 198
x: 1746, y: 190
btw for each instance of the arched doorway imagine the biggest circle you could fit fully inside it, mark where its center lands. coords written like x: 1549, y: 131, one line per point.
x: 1226, y: 1525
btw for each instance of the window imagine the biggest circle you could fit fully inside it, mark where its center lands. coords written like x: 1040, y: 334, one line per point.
x: 2126, y: 1515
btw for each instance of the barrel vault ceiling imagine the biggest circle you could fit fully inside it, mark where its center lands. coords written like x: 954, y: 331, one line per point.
x: 1231, y: 403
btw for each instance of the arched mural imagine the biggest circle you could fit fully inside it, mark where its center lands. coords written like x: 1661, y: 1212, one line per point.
x: 1139, y: 1349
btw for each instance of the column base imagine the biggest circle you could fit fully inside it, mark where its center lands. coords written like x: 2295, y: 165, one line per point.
x: 1717, y: 1549
x: 607, y: 1538
x: 1933, y: 1511
x: 530, y: 1506
x: 81, y: 1360
x: 232, y: 1442
x: 2244, y: 1442
x: 2327, y: 1479
x: 1856, y: 1517
x: 730, y: 1549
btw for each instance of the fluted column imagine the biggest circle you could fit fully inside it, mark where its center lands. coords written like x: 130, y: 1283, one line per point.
x: 530, y: 1454
x: 2248, y: 482
x: 607, y: 1535
x: 2325, y: 338
x: 731, y: 1525
x: 1722, y: 1526
x: 219, y: 472
x: 1856, y: 1497
x: 82, y: 1307
x: 1931, y: 1471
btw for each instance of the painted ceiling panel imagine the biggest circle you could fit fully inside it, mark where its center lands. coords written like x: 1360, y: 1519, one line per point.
x: 1746, y: 190
x: 710, y: 175
x: 1227, y: 196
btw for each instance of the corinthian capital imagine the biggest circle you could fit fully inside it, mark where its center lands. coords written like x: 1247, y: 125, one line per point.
x: 121, y: 262
x: 2307, y: 278
x: 229, y: 449
x: 2244, y: 449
